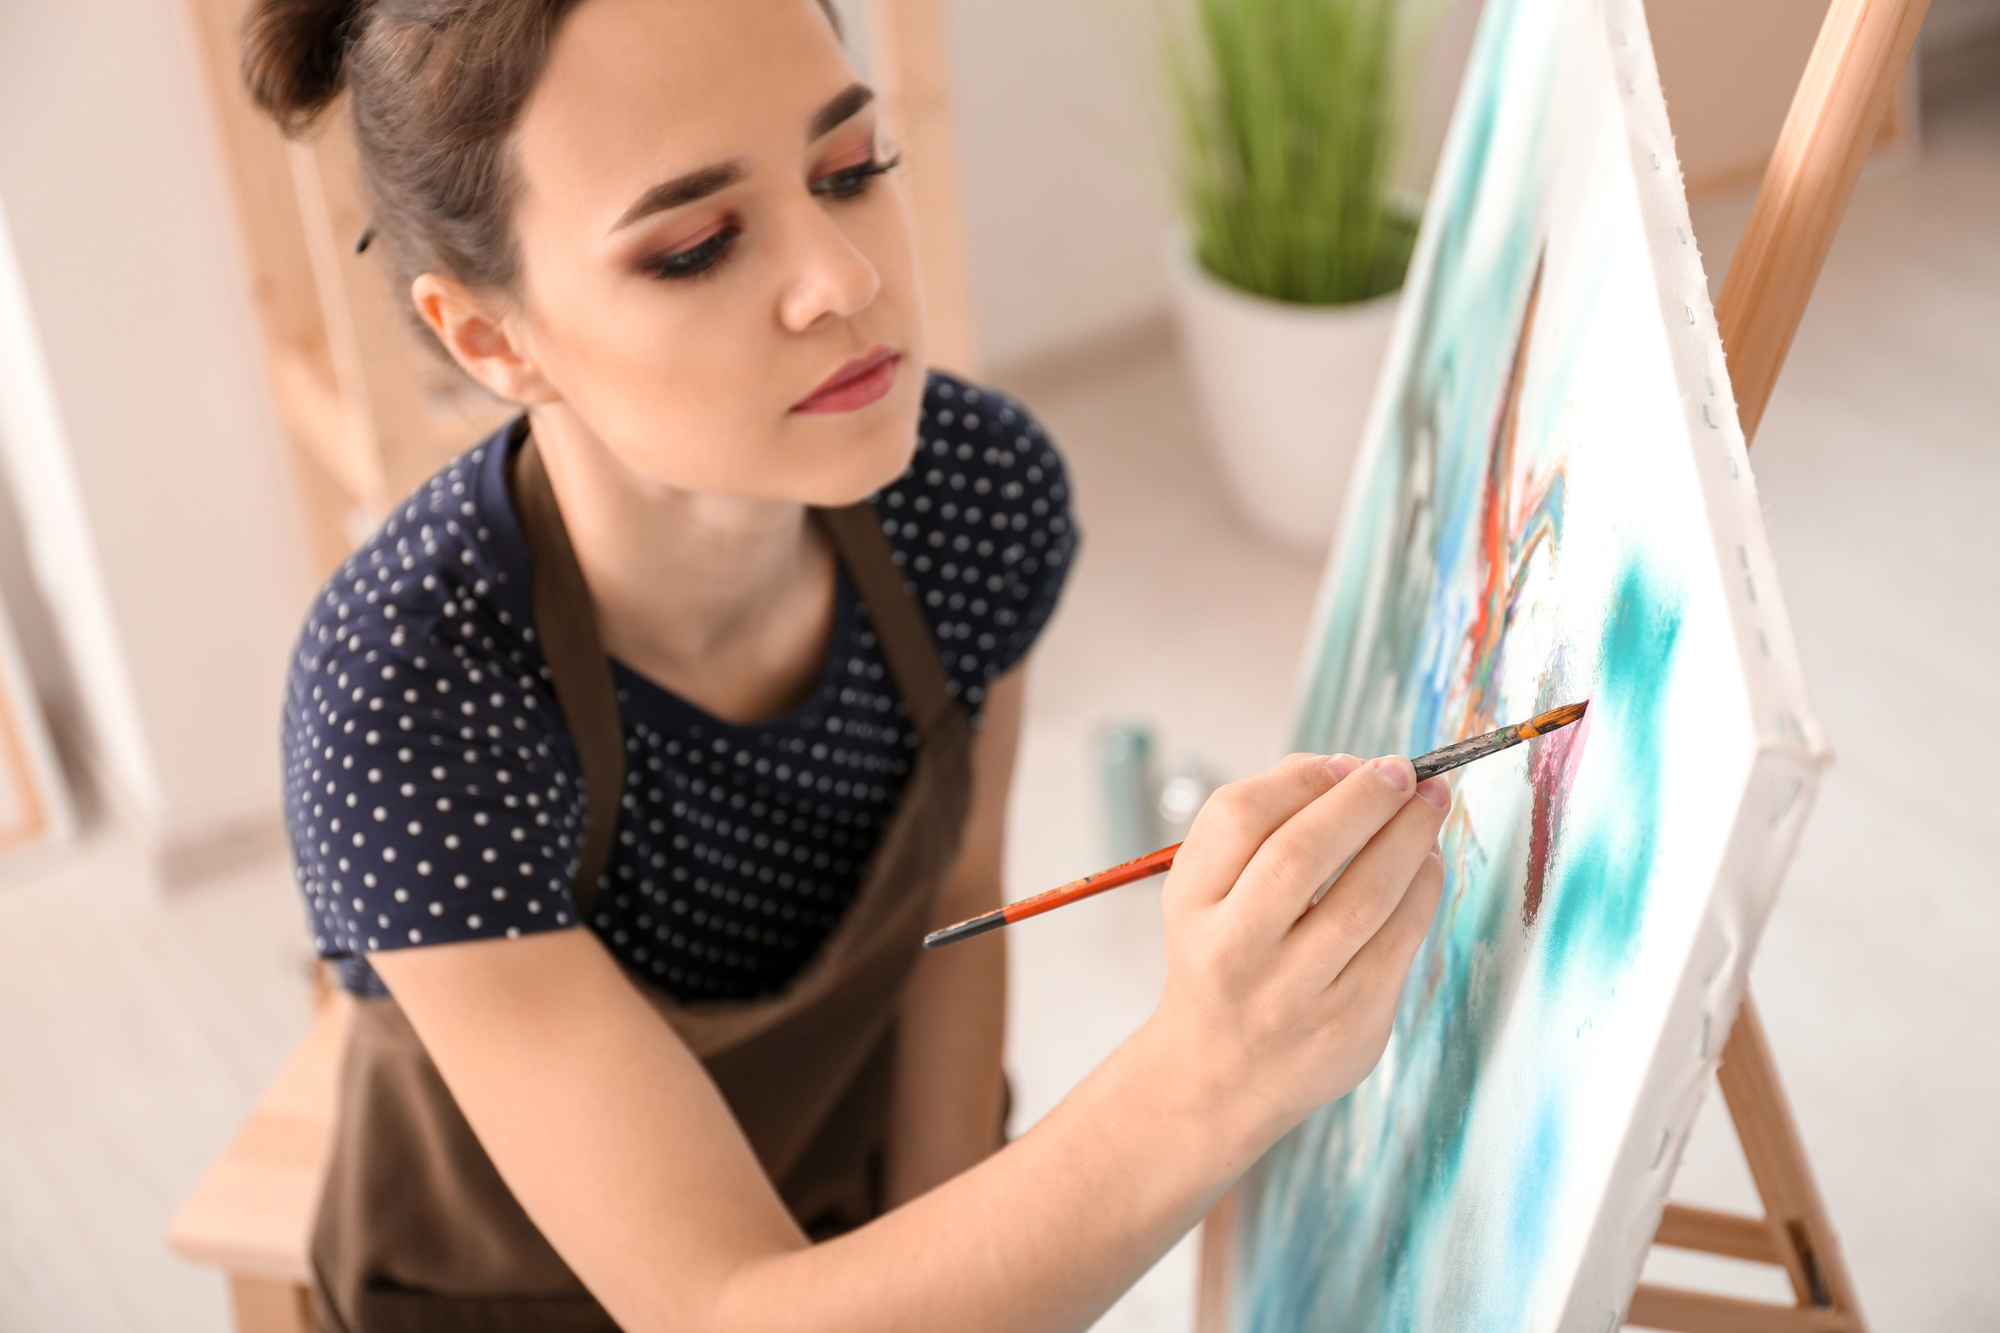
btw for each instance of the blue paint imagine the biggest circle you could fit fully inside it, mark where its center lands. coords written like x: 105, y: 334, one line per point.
x: 1604, y: 871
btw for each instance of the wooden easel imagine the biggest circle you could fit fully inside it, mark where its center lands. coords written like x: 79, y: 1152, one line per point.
x: 1847, y: 91
x: 368, y: 412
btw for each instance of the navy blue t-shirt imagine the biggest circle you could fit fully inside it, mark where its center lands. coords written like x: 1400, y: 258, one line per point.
x: 433, y: 792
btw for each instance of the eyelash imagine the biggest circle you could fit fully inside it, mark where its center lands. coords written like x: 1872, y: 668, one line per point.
x: 699, y: 260
x: 696, y: 260
x: 853, y: 182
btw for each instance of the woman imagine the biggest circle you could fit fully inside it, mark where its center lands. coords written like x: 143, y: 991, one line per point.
x: 674, y: 1062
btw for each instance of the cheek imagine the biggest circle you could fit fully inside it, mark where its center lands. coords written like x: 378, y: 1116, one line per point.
x: 883, y: 235
x: 664, y: 377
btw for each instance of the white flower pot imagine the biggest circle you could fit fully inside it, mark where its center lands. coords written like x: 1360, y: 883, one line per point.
x: 1285, y: 391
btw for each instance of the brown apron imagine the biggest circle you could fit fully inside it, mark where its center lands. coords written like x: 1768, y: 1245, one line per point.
x: 416, y: 1230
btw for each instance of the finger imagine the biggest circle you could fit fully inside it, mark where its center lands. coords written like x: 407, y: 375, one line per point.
x: 1234, y: 822
x: 1373, y: 979
x: 1298, y: 858
x: 1369, y: 891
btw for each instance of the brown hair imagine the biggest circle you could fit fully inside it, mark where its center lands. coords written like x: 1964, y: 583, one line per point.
x: 436, y: 86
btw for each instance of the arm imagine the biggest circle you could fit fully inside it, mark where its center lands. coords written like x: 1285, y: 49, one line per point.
x: 611, y: 1135
x: 944, y: 1116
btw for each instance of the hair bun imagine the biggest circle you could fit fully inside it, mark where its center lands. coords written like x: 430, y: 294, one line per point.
x: 293, y: 55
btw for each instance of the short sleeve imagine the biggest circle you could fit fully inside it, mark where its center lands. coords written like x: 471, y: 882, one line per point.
x: 429, y: 798
x: 983, y: 527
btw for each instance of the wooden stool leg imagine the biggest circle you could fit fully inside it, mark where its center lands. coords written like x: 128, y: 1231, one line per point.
x: 269, y: 1305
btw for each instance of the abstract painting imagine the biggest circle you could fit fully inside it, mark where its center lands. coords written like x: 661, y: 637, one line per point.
x: 1552, y: 503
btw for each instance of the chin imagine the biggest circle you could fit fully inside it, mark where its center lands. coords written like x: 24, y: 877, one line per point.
x: 866, y: 461
x: 860, y: 474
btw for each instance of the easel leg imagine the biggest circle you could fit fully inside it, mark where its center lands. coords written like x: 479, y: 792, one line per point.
x: 1794, y: 1233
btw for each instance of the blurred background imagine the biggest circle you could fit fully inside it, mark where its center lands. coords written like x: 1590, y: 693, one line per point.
x: 173, y: 488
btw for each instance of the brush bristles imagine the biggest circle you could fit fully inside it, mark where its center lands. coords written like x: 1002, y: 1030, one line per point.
x: 1553, y: 720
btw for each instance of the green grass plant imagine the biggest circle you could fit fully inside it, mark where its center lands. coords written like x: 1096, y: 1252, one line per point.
x: 1290, y: 115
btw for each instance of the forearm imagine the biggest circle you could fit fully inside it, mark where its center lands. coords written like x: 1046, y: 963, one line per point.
x: 1043, y: 1235
x: 623, y: 1151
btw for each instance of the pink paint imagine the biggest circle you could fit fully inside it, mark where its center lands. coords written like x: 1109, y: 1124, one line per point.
x: 1552, y: 764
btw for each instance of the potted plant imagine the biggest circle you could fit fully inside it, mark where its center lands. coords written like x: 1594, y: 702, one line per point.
x: 1294, y: 245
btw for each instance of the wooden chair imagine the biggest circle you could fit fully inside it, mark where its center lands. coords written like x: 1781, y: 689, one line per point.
x: 251, y: 1216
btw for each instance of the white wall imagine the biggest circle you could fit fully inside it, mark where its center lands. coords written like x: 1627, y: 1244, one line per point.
x: 141, y: 445
x: 1067, y: 161
x: 1065, y: 176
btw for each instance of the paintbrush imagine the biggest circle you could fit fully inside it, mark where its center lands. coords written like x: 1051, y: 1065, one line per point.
x: 1158, y: 863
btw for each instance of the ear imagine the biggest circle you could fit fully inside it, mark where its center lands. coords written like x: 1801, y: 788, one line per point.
x: 474, y: 329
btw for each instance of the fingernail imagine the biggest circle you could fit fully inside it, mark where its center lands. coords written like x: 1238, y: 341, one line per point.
x: 1397, y: 770
x: 1340, y: 765
x: 1437, y: 791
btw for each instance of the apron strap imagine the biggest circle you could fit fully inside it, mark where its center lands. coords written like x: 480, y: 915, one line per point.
x: 581, y: 673
x: 578, y: 668
x: 900, y: 625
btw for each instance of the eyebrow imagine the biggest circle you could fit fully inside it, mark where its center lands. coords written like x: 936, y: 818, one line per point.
x: 842, y: 107
x: 681, y: 190
x: 844, y: 104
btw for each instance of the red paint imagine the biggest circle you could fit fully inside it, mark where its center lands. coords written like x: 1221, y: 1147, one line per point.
x: 1551, y: 771
x: 855, y: 385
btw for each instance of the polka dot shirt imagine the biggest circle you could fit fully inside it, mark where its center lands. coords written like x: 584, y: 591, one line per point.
x: 433, y: 792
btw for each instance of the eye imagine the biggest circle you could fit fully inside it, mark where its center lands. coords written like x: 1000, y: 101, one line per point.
x: 696, y: 259
x: 852, y: 182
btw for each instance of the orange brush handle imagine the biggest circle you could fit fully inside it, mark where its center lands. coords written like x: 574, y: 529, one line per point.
x: 1152, y: 863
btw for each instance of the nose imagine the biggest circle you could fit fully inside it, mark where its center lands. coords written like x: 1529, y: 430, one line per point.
x: 828, y: 277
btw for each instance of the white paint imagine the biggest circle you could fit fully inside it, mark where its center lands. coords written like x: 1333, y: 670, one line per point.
x: 145, y: 452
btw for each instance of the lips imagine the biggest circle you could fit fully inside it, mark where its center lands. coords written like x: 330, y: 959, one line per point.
x: 855, y: 385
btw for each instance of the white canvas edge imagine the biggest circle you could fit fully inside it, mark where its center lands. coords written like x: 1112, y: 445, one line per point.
x: 1790, y: 753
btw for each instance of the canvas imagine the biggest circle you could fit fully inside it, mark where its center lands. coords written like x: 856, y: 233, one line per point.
x: 1552, y: 503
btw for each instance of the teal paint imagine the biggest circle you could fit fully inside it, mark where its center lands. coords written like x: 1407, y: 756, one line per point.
x: 1605, y: 871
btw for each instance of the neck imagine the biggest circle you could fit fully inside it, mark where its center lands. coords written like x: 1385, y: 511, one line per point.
x: 725, y: 600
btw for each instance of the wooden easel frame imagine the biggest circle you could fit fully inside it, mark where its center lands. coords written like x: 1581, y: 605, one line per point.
x: 1848, y: 89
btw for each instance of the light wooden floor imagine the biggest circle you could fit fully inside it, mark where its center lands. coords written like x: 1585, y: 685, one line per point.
x: 136, y: 1026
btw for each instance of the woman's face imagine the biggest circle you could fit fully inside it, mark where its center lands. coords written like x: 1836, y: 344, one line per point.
x: 716, y: 278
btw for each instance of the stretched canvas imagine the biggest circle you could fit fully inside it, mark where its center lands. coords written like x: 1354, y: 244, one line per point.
x: 1552, y: 503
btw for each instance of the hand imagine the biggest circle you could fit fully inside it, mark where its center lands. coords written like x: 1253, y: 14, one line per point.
x: 1283, y: 1003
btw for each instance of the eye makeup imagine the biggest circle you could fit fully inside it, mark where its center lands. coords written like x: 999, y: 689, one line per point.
x: 852, y: 182
x: 694, y: 260
x: 700, y: 258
